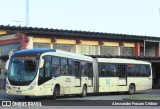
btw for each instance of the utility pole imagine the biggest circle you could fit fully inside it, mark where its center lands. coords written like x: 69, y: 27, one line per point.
x: 159, y: 12
x: 27, y: 13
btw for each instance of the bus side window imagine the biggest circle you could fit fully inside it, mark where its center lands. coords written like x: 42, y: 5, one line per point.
x: 77, y: 69
x: 70, y: 64
x: 138, y: 70
x: 64, y: 66
x: 90, y: 70
x: 102, y: 70
x: 47, y: 66
x: 148, y: 70
x: 145, y: 70
x: 55, y: 67
x: 131, y: 70
x: 83, y: 68
x: 111, y: 70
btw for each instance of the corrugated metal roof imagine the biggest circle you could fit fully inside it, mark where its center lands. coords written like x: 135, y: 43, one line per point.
x: 77, y: 34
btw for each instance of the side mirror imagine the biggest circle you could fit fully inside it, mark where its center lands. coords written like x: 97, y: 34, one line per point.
x: 7, y: 64
x: 41, y: 63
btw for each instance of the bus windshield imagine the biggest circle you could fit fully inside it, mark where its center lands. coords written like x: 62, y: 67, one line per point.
x: 22, y: 71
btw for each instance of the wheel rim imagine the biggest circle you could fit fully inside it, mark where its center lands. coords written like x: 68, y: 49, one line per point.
x: 132, y: 89
x: 56, y: 92
x: 84, y: 91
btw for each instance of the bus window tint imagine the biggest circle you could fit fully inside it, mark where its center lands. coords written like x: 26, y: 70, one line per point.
x: 55, y: 60
x: 111, y: 70
x: 22, y: 70
x: 64, y: 66
x: 145, y: 70
x: 30, y: 66
x: 149, y: 70
x: 77, y: 69
x: 102, y: 70
x: 70, y: 71
x: 89, y: 70
x: 47, y: 69
x: 84, y: 68
x: 138, y: 70
x: 47, y: 65
x: 131, y: 70
x: 55, y: 67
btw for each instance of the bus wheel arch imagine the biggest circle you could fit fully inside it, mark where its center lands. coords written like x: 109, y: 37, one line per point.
x: 132, y: 89
x: 84, y: 90
x: 56, y: 91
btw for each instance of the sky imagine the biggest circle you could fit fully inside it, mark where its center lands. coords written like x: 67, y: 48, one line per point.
x: 134, y: 17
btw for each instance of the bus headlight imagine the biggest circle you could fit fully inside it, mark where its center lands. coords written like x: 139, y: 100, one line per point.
x: 32, y: 86
x: 8, y: 87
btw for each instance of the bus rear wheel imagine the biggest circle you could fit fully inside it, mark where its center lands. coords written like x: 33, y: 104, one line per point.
x: 132, y: 89
x: 84, y: 91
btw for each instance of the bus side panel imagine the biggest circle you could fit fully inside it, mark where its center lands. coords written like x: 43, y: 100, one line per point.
x: 114, y: 83
x: 104, y: 84
x: 136, y: 81
x: 141, y: 83
x: 110, y: 84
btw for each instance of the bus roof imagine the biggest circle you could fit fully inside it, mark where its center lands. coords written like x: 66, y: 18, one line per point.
x: 36, y: 51
x: 55, y: 52
x: 64, y: 54
x: 122, y: 60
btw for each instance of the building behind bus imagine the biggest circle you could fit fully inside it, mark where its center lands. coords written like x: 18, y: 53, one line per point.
x: 138, y: 47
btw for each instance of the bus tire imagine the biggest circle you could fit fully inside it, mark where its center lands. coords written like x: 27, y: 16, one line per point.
x: 26, y: 97
x: 132, y: 89
x: 55, y: 93
x: 84, y: 91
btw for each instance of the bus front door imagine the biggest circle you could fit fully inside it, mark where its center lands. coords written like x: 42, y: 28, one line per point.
x: 47, y: 78
x: 122, y: 74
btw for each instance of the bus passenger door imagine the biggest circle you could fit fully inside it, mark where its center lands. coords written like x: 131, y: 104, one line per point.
x: 90, y: 74
x: 77, y: 74
x: 122, y: 74
x: 45, y: 79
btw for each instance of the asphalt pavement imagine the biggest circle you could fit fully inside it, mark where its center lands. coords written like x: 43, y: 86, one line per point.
x: 142, y: 98
x: 141, y: 95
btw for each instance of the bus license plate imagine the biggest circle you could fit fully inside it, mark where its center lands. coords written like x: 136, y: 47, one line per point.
x: 18, y: 92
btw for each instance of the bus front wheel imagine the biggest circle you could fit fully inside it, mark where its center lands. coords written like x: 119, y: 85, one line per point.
x: 55, y: 93
x: 84, y: 91
x: 131, y: 89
